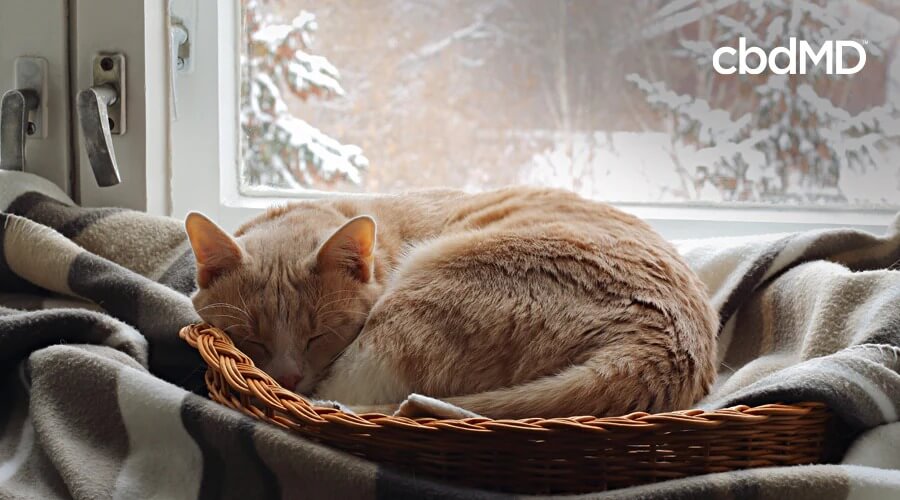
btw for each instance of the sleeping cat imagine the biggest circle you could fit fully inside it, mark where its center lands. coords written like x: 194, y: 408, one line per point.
x: 514, y: 303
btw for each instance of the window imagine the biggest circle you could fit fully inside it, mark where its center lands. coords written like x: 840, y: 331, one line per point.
x: 479, y: 94
x: 615, y: 100
x: 62, y: 41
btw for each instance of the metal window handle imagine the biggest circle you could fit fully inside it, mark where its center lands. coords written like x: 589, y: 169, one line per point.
x: 93, y: 112
x: 14, y: 126
x: 101, y: 113
x: 23, y: 111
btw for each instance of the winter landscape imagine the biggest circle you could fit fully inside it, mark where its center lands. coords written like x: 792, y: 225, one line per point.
x: 615, y: 100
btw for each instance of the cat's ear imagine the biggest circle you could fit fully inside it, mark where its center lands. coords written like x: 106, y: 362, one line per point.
x: 351, y: 248
x: 216, y: 252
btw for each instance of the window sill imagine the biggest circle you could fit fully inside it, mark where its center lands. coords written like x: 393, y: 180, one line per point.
x: 672, y: 221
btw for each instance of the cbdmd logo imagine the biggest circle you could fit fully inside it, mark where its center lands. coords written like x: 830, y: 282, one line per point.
x: 800, y: 58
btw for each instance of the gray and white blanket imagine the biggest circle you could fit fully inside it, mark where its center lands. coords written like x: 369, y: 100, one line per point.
x: 99, y: 397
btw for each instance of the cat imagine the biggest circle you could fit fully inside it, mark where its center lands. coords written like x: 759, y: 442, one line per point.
x: 520, y: 302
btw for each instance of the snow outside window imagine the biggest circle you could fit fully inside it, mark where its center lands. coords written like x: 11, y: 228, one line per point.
x: 615, y: 100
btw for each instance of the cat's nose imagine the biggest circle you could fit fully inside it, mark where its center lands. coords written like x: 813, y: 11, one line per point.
x: 288, y: 381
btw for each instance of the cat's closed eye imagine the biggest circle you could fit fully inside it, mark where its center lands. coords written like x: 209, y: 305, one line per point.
x: 255, y: 349
x: 315, y: 338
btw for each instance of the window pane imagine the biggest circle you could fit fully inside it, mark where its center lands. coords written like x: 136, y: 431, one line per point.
x: 616, y: 100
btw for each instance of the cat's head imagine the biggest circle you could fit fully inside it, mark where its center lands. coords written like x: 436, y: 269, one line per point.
x: 292, y: 292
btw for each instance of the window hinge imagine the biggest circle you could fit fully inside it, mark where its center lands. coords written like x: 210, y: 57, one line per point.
x: 182, y: 19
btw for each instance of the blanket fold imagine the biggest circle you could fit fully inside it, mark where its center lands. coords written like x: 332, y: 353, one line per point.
x: 99, y: 392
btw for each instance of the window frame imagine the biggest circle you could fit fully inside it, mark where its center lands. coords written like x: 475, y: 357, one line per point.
x: 205, y: 145
x: 138, y: 30
x: 41, y: 29
x: 204, y: 129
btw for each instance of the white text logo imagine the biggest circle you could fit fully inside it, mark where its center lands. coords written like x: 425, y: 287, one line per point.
x: 798, y: 55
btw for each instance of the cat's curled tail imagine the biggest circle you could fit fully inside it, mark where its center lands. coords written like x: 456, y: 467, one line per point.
x: 616, y: 380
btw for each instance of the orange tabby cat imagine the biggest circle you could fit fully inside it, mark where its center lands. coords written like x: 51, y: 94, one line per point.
x: 513, y: 303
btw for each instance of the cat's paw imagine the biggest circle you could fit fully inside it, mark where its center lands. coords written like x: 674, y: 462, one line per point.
x: 417, y: 405
x: 324, y: 403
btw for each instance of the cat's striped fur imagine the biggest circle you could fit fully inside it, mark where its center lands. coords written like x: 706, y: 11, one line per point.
x: 511, y: 303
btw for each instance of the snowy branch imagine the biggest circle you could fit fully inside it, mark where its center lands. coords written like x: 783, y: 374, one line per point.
x: 283, y: 150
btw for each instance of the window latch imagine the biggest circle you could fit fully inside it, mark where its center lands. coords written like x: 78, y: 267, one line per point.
x: 101, y: 112
x: 22, y: 111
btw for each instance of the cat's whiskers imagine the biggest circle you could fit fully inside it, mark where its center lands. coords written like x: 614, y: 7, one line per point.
x: 244, y: 303
x: 240, y: 321
x: 342, y: 311
x: 219, y: 304
x: 320, y: 301
x: 225, y: 305
x: 322, y: 306
x: 225, y: 316
x: 246, y: 330
x: 339, y: 354
x: 332, y: 330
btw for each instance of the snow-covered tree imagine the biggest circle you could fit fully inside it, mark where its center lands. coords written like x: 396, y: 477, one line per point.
x: 280, y: 149
x: 769, y: 137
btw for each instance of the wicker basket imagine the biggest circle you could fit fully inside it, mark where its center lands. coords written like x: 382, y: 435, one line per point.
x: 534, y: 455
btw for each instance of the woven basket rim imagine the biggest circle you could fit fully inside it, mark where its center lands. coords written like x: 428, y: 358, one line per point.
x: 242, y: 376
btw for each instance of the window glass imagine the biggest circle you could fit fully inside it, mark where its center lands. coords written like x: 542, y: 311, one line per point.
x: 616, y: 100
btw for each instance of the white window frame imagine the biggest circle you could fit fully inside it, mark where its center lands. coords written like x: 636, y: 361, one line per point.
x: 205, y: 148
x: 39, y: 28
x: 68, y: 35
x: 136, y: 29
x: 204, y: 135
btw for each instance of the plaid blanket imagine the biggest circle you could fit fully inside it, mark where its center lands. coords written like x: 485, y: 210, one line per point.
x: 101, y: 399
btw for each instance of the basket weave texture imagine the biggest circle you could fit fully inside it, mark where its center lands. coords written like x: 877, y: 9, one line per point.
x: 534, y: 455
